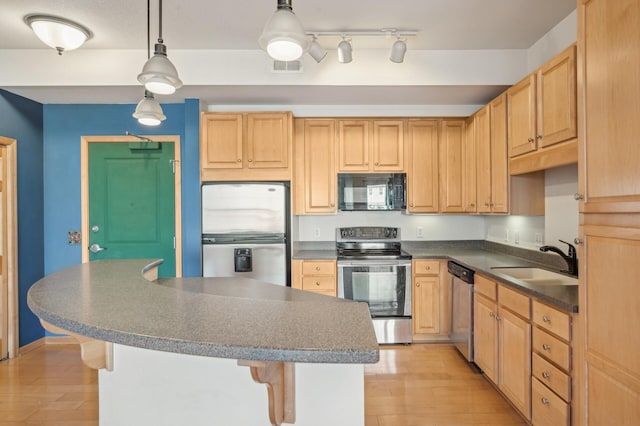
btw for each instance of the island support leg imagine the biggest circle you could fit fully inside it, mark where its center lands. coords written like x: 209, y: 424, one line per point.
x: 280, y: 380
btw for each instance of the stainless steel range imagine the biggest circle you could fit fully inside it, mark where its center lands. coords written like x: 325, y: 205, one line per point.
x: 373, y: 268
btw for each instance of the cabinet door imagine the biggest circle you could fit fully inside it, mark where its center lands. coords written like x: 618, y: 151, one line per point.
x: 499, y: 171
x: 483, y: 148
x: 610, y: 66
x: 485, y: 336
x: 556, y: 85
x: 319, y: 166
x: 452, y: 136
x: 522, y: 116
x: 221, y: 141
x: 422, y: 178
x: 515, y: 360
x: 388, y: 145
x: 469, y: 167
x: 426, y: 308
x: 353, y: 145
x: 268, y: 136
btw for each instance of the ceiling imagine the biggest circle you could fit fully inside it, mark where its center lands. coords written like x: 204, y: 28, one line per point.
x: 236, y: 25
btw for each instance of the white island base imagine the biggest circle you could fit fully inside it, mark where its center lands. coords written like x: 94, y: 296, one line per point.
x: 148, y: 387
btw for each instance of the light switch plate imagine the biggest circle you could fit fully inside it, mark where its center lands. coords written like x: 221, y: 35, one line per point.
x: 74, y: 237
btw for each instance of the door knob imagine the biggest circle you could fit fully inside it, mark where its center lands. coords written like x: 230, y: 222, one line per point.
x: 95, y: 248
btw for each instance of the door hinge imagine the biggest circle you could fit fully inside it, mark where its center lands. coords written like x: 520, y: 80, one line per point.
x: 173, y: 165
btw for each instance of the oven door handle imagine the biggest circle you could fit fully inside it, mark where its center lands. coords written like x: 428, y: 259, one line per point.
x: 373, y: 262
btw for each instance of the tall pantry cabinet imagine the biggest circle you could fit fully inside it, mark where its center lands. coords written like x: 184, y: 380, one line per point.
x: 608, y: 364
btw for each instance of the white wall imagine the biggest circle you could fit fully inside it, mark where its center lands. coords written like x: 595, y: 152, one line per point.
x: 554, y: 42
x: 561, y: 209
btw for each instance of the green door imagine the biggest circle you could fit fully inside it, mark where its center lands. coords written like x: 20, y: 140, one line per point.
x: 132, y: 202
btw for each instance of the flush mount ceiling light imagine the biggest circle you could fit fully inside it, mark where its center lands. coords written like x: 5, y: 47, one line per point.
x: 158, y: 75
x: 398, y: 50
x: 283, y: 37
x: 59, y: 33
x: 344, y: 51
x: 148, y: 111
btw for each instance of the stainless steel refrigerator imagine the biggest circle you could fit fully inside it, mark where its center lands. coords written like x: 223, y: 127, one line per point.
x: 245, y: 231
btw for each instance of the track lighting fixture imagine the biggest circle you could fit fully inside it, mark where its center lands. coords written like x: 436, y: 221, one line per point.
x: 398, y: 50
x: 59, y: 33
x: 283, y: 37
x: 158, y: 74
x: 148, y: 111
x: 344, y: 51
x: 316, y: 51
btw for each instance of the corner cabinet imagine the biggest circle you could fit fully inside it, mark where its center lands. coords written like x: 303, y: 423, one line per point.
x: 245, y: 146
x: 430, y: 300
x: 422, y: 161
x: 315, y: 184
x: 316, y: 276
x: 370, y: 145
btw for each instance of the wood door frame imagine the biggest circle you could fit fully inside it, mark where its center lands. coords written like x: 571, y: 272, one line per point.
x: 10, y: 256
x: 84, y: 186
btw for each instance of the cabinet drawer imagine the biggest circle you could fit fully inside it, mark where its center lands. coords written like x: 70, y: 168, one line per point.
x: 551, y: 376
x: 547, y: 409
x: 552, y: 348
x: 319, y: 268
x: 514, y: 301
x: 319, y: 283
x: 551, y: 319
x: 485, y: 287
x: 426, y: 267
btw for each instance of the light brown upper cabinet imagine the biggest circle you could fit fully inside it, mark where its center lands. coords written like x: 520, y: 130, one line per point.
x: 469, y: 166
x: 422, y: 161
x: 542, y: 107
x: 452, y: 159
x: 370, y: 145
x: 491, y: 145
x: 245, y: 146
x: 315, y: 172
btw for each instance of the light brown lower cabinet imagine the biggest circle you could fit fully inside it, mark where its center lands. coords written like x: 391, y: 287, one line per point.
x: 502, y: 340
x: 430, y: 300
x: 317, y: 276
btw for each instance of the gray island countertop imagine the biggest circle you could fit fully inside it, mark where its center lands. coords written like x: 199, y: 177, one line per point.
x: 234, y: 318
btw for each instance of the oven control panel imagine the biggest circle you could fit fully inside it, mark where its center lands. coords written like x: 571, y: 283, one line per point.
x: 368, y: 233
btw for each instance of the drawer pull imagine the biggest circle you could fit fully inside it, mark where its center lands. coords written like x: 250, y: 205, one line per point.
x: 427, y: 268
x: 546, y: 347
x: 546, y: 374
x: 317, y: 268
x: 317, y: 283
x: 544, y: 401
x: 546, y: 318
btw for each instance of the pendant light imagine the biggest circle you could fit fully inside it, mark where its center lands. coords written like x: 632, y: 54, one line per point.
x: 148, y: 111
x: 283, y: 37
x: 60, y: 33
x: 158, y: 74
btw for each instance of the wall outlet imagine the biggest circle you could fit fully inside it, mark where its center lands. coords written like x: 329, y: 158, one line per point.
x: 538, y: 239
x: 316, y: 232
x: 419, y: 232
x: 516, y: 237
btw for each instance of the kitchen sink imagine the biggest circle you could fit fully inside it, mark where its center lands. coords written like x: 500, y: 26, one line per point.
x: 536, y: 276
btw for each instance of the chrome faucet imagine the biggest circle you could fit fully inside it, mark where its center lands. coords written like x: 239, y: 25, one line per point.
x: 571, y: 257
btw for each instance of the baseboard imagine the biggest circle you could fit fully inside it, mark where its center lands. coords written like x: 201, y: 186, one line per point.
x: 31, y: 346
x: 60, y: 340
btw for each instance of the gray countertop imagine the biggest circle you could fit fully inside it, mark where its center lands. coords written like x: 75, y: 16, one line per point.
x: 234, y: 318
x: 474, y: 256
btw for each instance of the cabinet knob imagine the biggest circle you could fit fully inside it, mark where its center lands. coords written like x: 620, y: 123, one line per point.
x: 539, y: 137
x: 317, y: 268
x: 410, y: 204
x: 544, y: 401
x: 498, y: 318
x: 578, y: 241
x: 546, y: 374
x: 427, y: 267
x: 546, y: 347
x: 491, y: 204
x: 486, y: 204
x: 332, y: 204
x: 250, y: 160
x: 239, y: 160
x: 377, y: 164
x: 531, y: 140
x: 578, y: 197
x: 417, y: 284
x: 317, y: 283
x: 546, y: 318
x: 491, y: 314
x: 472, y: 205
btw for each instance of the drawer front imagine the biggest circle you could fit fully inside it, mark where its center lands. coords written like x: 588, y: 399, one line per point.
x: 319, y: 268
x: 514, y: 301
x: 426, y: 267
x: 324, y: 283
x: 547, y: 409
x: 485, y: 287
x: 551, y: 376
x: 552, y: 348
x: 557, y: 322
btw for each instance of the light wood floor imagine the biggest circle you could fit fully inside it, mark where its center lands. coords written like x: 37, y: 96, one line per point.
x: 416, y: 385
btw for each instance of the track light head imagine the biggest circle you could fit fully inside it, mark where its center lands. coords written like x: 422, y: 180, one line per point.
x: 316, y: 51
x: 344, y: 51
x: 398, y: 50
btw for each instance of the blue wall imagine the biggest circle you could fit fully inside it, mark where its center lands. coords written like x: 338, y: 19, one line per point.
x: 21, y: 119
x: 63, y: 127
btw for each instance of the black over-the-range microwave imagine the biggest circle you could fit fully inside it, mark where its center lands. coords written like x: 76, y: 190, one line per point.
x: 372, y: 191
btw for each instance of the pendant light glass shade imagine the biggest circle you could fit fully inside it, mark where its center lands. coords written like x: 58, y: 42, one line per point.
x: 344, y: 52
x: 58, y: 33
x: 148, y: 111
x: 398, y: 50
x: 158, y: 74
x: 283, y: 37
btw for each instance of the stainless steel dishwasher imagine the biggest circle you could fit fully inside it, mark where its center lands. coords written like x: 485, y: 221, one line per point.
x: 462, y: 308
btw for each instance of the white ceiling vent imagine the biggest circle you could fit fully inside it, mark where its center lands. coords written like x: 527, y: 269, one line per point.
x: 287, y: 66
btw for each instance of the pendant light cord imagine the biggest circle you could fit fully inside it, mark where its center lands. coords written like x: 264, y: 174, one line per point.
x: 160, y: 21
x: 148, y: 29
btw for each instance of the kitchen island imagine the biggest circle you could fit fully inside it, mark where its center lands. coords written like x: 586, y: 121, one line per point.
x: 185, y: 350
